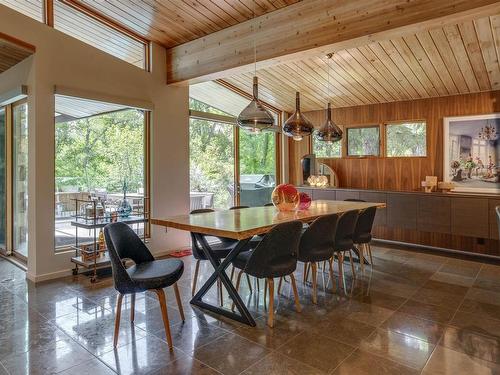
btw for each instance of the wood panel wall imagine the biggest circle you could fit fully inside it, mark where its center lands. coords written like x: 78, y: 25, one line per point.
x: 402, y: 174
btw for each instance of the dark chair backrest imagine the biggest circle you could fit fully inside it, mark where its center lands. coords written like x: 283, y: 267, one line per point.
x: 277, y: 252
x: 354, y: 200
x: 365, y: 222
x: 238, y: 207
x: 195, y: 246
x: 345, y: 230
x: 269, y: 204
x: 497, y: 209
x: 318, y: 238
x: 123, y: 243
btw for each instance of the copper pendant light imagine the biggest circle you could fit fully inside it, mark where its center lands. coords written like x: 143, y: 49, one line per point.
x: 255, y: 117
x: 329, y: 132
x: 298, y: 126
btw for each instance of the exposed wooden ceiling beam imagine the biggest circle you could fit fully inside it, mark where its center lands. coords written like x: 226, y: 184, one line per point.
x: 312, y: 28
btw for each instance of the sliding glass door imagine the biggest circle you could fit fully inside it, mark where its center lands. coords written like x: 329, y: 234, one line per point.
x: 3, y: 180
x: 20, y: 179
x: 257, y: 167
x: 14, y: 179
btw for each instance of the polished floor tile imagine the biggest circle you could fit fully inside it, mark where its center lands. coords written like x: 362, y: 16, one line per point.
x: 447, y: 361
x: 364, y: 363
x: 230, y: 354
x: 400, y: 348
x: 407, y: 313
x: 427, y: 311
x: 279, y: 364
x: 317, y: 351
x: 412, y: 326
x: 141, y: 356
x: 471, y: 343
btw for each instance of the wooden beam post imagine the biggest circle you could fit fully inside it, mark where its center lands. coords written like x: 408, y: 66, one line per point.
x: 312, y: 28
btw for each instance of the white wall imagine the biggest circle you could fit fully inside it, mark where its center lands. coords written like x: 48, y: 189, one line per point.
x: 64, y: 61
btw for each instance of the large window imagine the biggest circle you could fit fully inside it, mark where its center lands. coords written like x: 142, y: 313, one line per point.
x: 363, y: 141
x: 228, y: 165
x: 100, y: 154
x: 406, y: 139
x: 91, y: 31
x: 326, y: 149
x: 30, y: 8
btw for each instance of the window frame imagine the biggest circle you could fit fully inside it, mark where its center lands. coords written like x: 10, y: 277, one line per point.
x: 358, y: 126
x: 401, y: 122
x: 341, y: 142
x: 147, y: 177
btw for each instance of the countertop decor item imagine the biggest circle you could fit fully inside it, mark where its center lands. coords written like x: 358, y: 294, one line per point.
x: 304, y: 201
x: 285, y: 197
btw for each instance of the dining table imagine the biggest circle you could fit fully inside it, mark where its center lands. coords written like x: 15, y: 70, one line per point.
x: 242, y: 225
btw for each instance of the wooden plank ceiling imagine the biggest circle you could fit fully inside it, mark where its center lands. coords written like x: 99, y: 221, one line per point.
x: 12, y: 53
x: 173, y: 22
x: 455, y: 59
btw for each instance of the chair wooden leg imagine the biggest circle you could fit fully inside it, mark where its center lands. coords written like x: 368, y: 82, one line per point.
x: 195, y: 277
x: 238, y: 279
x: 340, y: 259
x: 279, y: 285
x: 304, y: 273
x: 295, y: 293
x: 361, y: 250
x: 351, y: 261
x: 270, y: 319
x: 330, y: 262
x: 314, y: 269
x: 249, y: 283
x: 166, y: 323
x: 265, y: 292
x: 370, y: 253
x: 117, y: 318
x: 179, y: 302
x: 132, y: 307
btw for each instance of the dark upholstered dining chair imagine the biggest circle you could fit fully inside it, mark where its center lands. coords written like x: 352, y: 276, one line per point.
x: 343, y: 240
x: 146, y: 274
x: 363, y: 234
x: 316, y: 245
x: 274, y: 257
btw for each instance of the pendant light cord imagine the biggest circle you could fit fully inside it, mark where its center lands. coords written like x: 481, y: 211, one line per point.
x: 254, y: 43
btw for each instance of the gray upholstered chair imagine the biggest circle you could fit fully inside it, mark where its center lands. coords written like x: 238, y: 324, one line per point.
x: 146, y: 273
x: 363, y: 234
x: 316, y: 245
x: 343, y: 240
x: 274, y: 257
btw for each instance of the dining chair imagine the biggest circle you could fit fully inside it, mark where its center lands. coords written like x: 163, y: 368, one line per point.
x: 363, y: 234
x: 274, y: 257
x: 146, y: 273
x: 316, y: 245
x: 269, y: 204
x: 343, y: 240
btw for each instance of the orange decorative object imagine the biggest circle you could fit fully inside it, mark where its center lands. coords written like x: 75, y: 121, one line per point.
x: 304, y: 201
x: 285, y: 197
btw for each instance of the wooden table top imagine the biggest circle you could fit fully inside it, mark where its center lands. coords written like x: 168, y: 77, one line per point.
x: 247, y: 222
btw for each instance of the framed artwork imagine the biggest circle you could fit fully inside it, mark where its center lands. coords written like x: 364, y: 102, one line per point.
x: 472, y: 153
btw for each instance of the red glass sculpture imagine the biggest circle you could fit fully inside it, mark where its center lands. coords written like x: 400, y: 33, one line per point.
x: 285, y: 197
x: 304, y: 201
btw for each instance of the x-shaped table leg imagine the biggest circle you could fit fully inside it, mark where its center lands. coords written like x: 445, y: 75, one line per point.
x: 219, y: 272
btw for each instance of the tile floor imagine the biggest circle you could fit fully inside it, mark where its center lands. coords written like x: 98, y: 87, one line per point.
x: 410, y: 313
